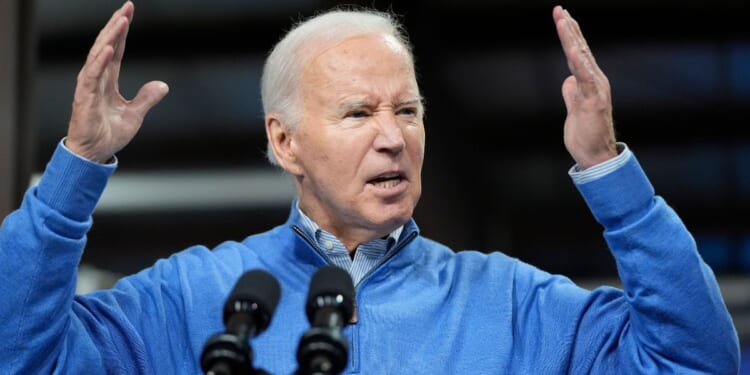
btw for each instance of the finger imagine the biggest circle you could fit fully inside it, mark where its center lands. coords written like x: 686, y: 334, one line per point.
x: 580, y: 41
x: 569, y: 46
x: 119, y: 50
x: 121, y: 39
x: 580, y: 60
x: 91, y: 74
x: 584, y: 71
x: 583, y: 46
x: 564, y: 33
x: 109, y: 37
x: 111, y: 29
x: 575, y: 28
x: 147, y: 97
x: 557, y: 13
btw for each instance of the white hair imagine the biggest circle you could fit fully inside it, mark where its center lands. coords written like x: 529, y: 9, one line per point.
x: 280, y: 91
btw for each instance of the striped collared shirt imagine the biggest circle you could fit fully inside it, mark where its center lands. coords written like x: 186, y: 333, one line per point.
x: 366, y: 256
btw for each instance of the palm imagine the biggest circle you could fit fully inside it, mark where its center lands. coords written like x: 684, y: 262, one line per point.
x: 588, y: 133
x: 103, y: 122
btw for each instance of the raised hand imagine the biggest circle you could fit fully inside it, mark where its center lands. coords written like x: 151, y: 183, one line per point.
x: 589, y: 132
x: 102, y: 121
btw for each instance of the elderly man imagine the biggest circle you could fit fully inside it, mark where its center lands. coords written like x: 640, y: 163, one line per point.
x: 344, y: 119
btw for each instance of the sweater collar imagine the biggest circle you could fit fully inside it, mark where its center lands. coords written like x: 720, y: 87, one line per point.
x: 295, y: 221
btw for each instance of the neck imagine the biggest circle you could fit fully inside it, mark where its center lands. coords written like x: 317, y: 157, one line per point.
x: 350, y: 236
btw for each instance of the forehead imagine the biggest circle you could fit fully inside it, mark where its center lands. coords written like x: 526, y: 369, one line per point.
x: 376, y: 61
x: 360, y: 45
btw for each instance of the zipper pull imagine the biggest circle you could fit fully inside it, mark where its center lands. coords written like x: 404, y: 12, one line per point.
x: 353, y: 320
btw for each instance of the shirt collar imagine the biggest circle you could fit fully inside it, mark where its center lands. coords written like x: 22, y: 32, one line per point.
x: 329, y: 242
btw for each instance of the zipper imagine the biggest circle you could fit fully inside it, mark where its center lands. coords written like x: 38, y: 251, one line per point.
x: 353, y: 326
x: 322, y: 254
x: 312, y: 244
x: 354, y: 344
x: 382, y: 261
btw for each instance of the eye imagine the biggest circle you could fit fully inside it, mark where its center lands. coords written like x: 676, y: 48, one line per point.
x: 358, y: 114
x: 407, y: 111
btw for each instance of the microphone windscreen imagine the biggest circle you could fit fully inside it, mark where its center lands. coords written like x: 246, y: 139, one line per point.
x: 330, y: 281
x: 258, y: 287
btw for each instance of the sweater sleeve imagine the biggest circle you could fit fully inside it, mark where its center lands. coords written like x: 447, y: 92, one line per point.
x: 673, y: 318
x: 40, y: 247
x: 137, y: 327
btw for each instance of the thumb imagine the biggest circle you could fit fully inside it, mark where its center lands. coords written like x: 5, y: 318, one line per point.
x: 148, y: 96
x: 569, y: 92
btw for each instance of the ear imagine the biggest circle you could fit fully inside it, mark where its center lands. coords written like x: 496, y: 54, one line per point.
x: 281, y: 140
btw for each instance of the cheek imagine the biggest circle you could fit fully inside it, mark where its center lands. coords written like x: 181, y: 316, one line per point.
x: 337, y: 158
x: 312, y: 148
x: 415, y: 138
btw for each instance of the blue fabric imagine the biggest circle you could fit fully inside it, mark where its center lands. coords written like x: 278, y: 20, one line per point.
x: 426, y: 310
x: 581, y: 176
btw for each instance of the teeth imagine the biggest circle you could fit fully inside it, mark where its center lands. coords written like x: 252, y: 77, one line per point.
x: 387, y: 183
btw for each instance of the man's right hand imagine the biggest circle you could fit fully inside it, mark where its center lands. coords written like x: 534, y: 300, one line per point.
x: 102, y: 121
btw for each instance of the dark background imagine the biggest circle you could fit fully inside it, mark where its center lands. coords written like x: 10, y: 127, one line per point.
x: 495, y: 175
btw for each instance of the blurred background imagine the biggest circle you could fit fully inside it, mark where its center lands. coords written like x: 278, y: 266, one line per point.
x: 495, y: 176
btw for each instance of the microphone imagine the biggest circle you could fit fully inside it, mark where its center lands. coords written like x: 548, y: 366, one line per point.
x: 247, y: 313
x: 323, y: 349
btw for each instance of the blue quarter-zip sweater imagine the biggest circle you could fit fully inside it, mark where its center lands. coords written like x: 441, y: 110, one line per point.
x: 425, y: 310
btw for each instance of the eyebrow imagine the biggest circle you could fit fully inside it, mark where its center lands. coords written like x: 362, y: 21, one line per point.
x: 418, y: 100
x: 355, y: 104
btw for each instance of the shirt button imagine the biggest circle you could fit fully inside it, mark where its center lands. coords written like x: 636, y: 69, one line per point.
x: 328, y: 245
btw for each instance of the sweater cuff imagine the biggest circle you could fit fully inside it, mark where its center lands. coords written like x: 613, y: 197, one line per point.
x: 73, y: 185
x: 620, y: 197
x: 581, y: 176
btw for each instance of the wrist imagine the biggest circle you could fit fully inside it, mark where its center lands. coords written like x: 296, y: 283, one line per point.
x: 594, y: 156
x: 85, y: 152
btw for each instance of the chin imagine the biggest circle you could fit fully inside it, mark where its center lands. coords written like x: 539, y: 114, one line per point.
x: 393, y: 216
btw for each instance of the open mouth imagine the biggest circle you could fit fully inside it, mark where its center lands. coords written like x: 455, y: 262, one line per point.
x: 386, y: 181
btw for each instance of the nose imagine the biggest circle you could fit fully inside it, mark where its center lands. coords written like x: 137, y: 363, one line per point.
x: 390, y: 137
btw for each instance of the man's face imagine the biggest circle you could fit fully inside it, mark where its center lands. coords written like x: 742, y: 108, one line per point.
x: 359, y: 146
